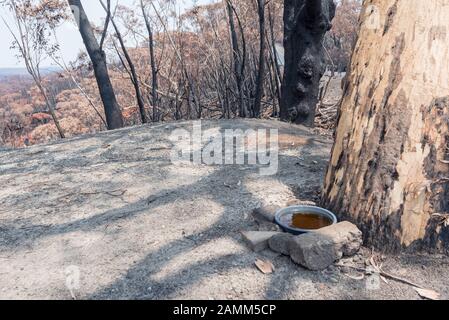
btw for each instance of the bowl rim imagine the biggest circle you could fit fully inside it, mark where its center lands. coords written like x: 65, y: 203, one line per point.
x: 298, y: 231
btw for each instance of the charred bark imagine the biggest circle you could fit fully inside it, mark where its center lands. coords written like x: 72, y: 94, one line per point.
x: 154, y: 70
x: 132, y: 69
x: 261, y: 67
x: 305, y: 24
x: 237, y: 58
x: 112, y: 110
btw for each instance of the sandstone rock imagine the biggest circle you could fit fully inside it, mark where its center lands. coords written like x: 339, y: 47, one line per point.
x: 280, y: 243
x: 265, y: 213
x: 296, y: 202
x: 268, y: 226
x: 258, y: 240
x: 318, y: 250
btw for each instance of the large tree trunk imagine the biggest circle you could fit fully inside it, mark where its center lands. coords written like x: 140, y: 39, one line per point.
x: 305, y: 24
x: 389, y: 171
x: 112, y: 110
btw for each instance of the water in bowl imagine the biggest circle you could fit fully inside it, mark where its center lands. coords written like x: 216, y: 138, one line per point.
x: 306, y: 221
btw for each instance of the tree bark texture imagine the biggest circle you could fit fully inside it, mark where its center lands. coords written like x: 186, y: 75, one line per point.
x: 389, y: 171
x: 305, y: 24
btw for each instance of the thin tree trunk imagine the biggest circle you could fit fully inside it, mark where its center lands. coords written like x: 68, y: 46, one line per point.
x: 274, y: 54
x: 50, y: 108
x: 389, y: 170
x: 237, y: 60
x: 132, y: 68
x: 261, y: 66
x: 154, y: 92
x: 191, y: 88
x: 32, y: 68
x: 112, y: 110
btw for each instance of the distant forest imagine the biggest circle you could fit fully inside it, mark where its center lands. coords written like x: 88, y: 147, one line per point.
x: 223, y: 60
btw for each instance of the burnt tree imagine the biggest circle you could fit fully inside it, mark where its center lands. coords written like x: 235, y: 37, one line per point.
x: 112, y: 110
x: 154, y: 68
x: 261, y: 67
x: 305, y: 24
x: 389, y: 171
x: 129, y: 65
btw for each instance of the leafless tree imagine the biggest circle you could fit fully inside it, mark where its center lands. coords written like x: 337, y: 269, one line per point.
x: 34, y: 22
x: 112, y: 109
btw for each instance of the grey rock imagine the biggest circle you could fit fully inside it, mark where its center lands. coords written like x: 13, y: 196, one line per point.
x: 312, y: 253
x: 265, y: 213
x: 332, y: 269
x: 333, y: 280
x: 345, y: 269
x: 258, y: 240
x: 320, y: 249
x: 280, y: 243
x: 268, y: 226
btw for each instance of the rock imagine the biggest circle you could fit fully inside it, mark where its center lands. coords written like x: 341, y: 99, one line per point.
x: 265, y: 213
x: 312, y: 253
x: 280, y: 243
x: 258, y: 240
x: 296, y: 202
x: 345, y: 269
x: 268, y: 226
x: 333, y: 280
x: 320, y: 249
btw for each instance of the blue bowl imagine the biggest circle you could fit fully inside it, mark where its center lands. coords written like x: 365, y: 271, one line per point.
x: 302, y: 209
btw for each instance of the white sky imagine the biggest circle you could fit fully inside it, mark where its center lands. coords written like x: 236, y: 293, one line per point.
x: 68, y: 34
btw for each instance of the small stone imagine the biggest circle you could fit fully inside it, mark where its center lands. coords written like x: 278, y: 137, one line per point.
x: 258, y: 240
x: 345, y: 269
x: 320, y: 249
x: 268, y: 226
x: 333, y: 280
x: 296, y: 202
x: 280, y: 243
x: 333, y: 269
x: 265, y: 213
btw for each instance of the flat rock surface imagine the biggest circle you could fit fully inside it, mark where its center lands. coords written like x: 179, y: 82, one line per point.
x: 111, y: 215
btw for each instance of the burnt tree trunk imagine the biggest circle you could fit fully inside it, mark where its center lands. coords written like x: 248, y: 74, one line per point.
x: 237, y: 57
x: 132, y: 69
x: 261, y: 67
x: 389, y: 171
x: 305, y: 24
x: 154, y: 70
x: 114, y: 117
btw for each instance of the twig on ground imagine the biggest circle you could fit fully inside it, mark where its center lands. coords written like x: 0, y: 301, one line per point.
x: 378, y: 269
x: 112, y: 193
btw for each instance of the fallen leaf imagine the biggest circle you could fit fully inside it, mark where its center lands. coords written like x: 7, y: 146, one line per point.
x: 266, y: 267
x: 428, y: 294
x: 360, y: 277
